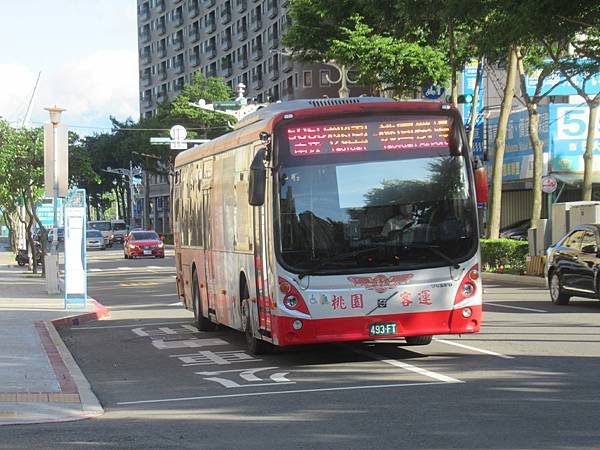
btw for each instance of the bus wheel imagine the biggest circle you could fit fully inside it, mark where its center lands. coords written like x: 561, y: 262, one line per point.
x: 419, y: 340
x: 255, y: 346
x: 202, y: 323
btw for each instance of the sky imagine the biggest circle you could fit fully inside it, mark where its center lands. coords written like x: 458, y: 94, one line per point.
x: 86, y: 51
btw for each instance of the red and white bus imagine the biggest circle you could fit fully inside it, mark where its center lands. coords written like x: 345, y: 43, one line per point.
x: 331, y: 220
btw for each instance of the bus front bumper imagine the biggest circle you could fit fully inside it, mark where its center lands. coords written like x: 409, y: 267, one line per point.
x: 343, y: 329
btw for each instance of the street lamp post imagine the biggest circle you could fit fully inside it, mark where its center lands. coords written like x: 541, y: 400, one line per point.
x: 52, y: 273
x: 55, y: 120
x: 343, y: 78
x: 131, y: 199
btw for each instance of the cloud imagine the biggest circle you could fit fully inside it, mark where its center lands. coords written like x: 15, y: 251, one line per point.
x: 17, y: 82
x: 91, y: 88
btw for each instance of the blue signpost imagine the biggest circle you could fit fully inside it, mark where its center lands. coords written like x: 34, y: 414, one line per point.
x: 75, y: 289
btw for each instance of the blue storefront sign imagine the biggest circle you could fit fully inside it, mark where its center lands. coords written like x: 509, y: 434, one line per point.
x: 45, y: 212
x: 561, y: 85
x: 568, y: 135
x: 563, y: 128
x: 478, y: 150
x: 518, y: 155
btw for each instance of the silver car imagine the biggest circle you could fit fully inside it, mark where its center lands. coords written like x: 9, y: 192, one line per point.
x: 94, y: 239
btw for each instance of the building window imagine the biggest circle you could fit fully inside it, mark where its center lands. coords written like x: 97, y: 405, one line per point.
x: 307, y: 78
x: 323, y: 74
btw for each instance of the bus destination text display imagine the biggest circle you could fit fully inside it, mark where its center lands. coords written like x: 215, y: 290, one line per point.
x: 409, y: 133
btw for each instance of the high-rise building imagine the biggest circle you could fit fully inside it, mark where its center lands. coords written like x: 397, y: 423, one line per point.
x: 238, y: 40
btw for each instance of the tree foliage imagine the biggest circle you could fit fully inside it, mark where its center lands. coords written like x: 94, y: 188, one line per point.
x: 129, y: 141
x: 21, y: 175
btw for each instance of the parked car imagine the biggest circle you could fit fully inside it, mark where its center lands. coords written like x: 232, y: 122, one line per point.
x: 143, y: 243
x: 104, y: 227
x: 119, y: 230
x: 94, y: 239
x: 53, y: 232
x: 517, y: 231
x: 572, y: 264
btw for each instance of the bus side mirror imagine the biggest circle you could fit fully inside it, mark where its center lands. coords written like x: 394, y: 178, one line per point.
x: 455, y: 142
x: 257, y: 179
x: 481, y: 184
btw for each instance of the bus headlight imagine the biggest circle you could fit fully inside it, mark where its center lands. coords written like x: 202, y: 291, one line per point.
x: 297, y: 324
x: 291, y: 302
x: 468, y: 289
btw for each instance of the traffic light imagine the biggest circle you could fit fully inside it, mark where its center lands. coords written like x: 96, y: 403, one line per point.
x: 465, y: 98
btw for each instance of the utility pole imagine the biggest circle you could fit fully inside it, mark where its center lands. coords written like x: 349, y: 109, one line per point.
x: 130, y: 174
x: 132, y: 198
x: 146, y: 197
x: 52, y: 263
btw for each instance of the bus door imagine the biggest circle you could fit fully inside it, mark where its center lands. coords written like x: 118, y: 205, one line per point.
x: 209, y: 285
x: 263, y: 301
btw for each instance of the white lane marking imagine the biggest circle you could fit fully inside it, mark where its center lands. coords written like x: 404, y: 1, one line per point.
x: 279, y: 377
x: 174, y: 304
x: 108, y: 327
x: 295, y: 391
x: 409, y: 367
x: 232, y: 384
x: 515, y: 307
x: 475, y: 349
x: 95, y: 270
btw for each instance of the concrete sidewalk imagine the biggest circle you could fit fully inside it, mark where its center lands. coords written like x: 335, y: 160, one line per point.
x: 528, y: 280
x: 39, y: 379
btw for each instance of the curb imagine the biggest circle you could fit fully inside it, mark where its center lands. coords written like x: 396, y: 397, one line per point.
x: 100, y: 312
x: 510, y: 278
x: 70, y: 377
x: 89, y: 402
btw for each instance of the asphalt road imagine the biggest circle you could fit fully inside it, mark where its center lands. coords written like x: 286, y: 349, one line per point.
x: 530, y: 379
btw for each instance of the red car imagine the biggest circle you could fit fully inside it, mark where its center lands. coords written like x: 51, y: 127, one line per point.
x: 143, y: 243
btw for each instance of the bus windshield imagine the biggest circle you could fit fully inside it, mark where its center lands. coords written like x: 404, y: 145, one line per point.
x: 375, y: 213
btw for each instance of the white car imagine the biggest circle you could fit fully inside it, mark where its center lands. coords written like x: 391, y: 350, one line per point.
x: 104, y: 227
x: 94, y: 239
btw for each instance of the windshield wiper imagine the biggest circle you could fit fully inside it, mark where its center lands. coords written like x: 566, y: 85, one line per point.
x: 434, y: 249
x: 334, y: 258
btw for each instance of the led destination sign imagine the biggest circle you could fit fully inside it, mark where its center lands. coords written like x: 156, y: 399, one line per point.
x: 408, y: 133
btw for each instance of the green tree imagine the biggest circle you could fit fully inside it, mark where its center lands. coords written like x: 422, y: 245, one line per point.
x: 130, y: 141
x: 352, y: 34
x: 387, y: 62
x: 22, y: 176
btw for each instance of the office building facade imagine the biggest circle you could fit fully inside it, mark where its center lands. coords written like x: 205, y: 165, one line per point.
x: 237, y: 40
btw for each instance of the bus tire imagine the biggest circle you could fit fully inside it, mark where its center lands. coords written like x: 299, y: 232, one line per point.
x: 255, y: 346
x: 201, y: 322
x: 419, y: 340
